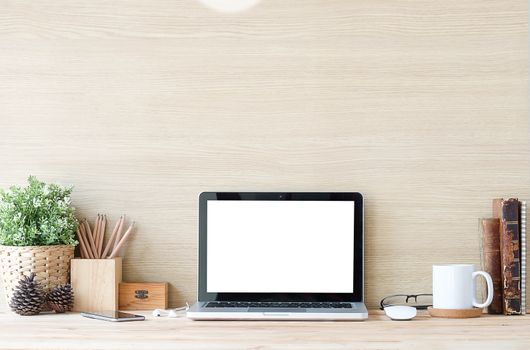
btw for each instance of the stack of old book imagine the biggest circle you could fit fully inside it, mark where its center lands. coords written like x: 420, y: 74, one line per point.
x: 504, y: 255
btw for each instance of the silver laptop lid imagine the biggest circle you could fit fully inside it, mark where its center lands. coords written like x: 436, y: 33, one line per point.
x: 269, y: 246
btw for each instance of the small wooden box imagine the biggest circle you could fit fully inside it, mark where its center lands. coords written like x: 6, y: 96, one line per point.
x: 143, y: 296
x: 95, y: 284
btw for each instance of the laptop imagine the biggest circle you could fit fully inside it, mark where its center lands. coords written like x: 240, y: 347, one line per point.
x: 280, y: 256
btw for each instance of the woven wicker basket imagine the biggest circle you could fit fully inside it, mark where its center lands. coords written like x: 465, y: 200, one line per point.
x: 51, y: 265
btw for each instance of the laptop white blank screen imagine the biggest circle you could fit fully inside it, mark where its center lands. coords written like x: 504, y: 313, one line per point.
x: 280, y: 246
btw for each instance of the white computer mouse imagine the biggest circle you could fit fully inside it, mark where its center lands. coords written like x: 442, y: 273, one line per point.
x: 400, y: 313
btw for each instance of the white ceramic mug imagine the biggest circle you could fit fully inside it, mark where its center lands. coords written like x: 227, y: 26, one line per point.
x: 453, y: 286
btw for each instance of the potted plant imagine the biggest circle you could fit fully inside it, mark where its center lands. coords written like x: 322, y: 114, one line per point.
x: 37, y: 234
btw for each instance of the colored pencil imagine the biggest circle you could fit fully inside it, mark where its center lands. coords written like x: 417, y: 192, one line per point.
x: 118, y: 235
x: 82, y: 231
x: 82, y: 247
x: 88, y: 233
x: 95, y: 235
x: 112, y: 238
x: 122, y: 241
x: 102, y: 234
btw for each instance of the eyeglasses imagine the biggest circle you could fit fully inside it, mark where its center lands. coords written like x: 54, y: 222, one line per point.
x: 419, y: 301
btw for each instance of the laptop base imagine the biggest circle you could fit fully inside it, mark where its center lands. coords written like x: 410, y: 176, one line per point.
x: 198, y: 312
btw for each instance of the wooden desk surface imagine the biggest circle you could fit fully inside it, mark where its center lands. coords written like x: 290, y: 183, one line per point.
x: 71, y: 331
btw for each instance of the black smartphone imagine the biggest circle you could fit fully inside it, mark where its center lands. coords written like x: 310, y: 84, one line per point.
x: 113, y: 316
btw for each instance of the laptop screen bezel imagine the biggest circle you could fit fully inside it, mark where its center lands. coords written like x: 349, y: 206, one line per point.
x: 356, y: 296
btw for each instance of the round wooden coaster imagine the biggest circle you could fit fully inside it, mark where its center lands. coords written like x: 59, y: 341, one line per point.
x: 455, y: 313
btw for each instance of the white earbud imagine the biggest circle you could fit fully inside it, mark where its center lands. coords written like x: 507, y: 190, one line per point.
x: 173, y: 313
x: 170, y: 313
x: 157, y: 312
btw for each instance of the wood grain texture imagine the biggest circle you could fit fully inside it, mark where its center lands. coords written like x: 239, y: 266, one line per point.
x: 95, y: 284
x: 421, y: 105
x: 69, y: 331
x: 155, y: 296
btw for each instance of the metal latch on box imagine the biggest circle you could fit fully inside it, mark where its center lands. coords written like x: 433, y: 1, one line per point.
x: 141, y: 294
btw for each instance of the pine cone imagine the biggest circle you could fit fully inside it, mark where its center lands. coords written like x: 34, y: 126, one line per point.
x: 61, y: 298
x: 28, y: 297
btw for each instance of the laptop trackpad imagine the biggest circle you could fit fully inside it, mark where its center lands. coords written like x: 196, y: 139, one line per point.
x: 271, y: 309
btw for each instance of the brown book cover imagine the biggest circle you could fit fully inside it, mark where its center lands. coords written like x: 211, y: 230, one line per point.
x: 509, y: 210
x: 492, y: 260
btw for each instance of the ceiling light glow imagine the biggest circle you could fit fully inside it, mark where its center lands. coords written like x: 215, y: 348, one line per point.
x: 229, y: 5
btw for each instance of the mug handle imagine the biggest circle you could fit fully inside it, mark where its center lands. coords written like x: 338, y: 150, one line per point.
x: 489, y: 282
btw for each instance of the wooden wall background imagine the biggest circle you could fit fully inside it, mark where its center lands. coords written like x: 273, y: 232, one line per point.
x: 421, y: 105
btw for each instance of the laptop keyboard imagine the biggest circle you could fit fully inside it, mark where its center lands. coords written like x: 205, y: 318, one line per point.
x: 302, y: 305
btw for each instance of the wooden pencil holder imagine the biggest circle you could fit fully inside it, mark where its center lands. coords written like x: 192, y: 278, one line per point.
x: 95, y: 283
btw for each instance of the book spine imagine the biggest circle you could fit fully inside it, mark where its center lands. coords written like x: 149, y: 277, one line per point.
x: 523, y: 257
x: 492, y: 260
x: 510, y: 262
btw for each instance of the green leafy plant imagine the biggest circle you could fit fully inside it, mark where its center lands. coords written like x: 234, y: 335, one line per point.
x: 37, y: 215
